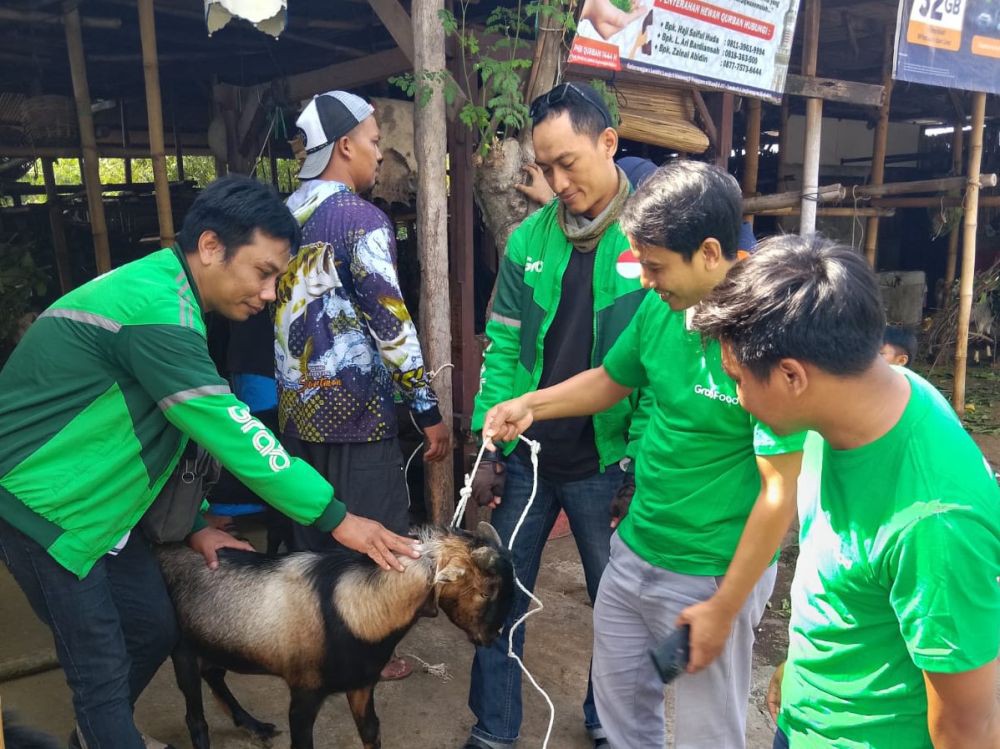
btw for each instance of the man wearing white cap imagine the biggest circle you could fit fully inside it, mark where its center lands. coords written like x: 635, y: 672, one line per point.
x: 344, y: 339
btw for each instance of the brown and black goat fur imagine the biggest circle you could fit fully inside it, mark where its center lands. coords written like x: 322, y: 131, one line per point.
x: 324, y: 623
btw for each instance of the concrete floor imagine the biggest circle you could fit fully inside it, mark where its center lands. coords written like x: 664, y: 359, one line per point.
x: 424, y: 710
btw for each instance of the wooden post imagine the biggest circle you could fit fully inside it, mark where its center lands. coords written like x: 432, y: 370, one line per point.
x: 432, y: 236
x: 814, y: 122
x: 968, y: 249
x: 957, y: 147
x: 721, y: 109
x: 57, y: 227
x: 126, y: 137
x: 273, y: 164
x: 178, y: 149
x: 154, y: 113
x: 752, y: 161
x: 880, y: 142
x: 90, y: 165
x: 779, y: 177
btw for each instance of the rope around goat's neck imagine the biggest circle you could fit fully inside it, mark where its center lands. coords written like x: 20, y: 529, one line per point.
x: 464, y: 493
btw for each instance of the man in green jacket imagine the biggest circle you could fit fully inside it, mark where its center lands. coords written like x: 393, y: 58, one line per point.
x: 568, y: 286
x: 96, y: 405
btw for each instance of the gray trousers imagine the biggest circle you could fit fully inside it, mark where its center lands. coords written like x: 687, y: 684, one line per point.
x: 637, y: 605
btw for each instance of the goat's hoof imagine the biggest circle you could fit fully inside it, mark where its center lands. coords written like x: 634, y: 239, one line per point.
x: 263, y: 731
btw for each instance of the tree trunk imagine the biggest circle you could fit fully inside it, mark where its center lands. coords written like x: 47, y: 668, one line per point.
x: 432, y: 237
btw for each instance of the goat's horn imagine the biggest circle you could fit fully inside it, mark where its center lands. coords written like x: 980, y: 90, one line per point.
x: 487, y: 532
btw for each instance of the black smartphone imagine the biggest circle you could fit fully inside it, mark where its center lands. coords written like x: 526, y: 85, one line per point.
x: 671, y: 656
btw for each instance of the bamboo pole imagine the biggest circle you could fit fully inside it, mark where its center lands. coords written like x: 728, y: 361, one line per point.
x: 814, y: 121
x: 931, y: 201
x: 881, y: 140
x: 952, y: 258
x: 825, y: 194
x: 782, y: 150
x: 752, y: 163
x: 154, y: 113
x: 90, y: 165
x: 178, y: 146
x: 968, y: 249
x: 834, y: 212
x: 430, y: 139
x: 126, y: 137
x: 57, y: 227
x: 939, y: 184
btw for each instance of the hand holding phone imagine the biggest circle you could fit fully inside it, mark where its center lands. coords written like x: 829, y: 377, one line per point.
x: 671, y: 656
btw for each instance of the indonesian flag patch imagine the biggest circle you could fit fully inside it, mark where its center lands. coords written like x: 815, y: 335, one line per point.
x: 627, y: 265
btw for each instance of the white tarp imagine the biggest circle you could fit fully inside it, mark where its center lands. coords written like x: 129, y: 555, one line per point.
x: 269, y: 16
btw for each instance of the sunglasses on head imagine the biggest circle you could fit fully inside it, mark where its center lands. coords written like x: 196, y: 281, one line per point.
x: 558, y: 94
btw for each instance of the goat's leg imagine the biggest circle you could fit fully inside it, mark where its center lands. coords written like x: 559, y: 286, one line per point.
x: 362, y: 702
x: 215, y: 677
x: 302, y: 716
x: 189, y: 680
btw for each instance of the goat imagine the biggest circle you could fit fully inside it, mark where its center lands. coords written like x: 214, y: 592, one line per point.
x: 324, y: 623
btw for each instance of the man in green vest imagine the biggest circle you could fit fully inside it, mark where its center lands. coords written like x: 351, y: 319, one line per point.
x: 567, y: 287
x: 895, y: 625
x: 96, y: 405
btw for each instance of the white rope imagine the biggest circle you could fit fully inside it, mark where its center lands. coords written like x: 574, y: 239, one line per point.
x: 464, y: 494
x: 406, y: 469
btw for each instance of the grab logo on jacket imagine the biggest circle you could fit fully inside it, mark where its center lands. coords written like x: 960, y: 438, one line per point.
x: 532, y: 266
x: 263, y: 441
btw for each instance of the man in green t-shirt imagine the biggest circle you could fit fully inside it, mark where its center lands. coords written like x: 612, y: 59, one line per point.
x: 895, y: 623
x: 715, y: 489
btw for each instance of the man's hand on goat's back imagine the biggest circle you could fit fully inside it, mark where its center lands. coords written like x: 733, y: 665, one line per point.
x: 375, y: 540
x: 208, y: 541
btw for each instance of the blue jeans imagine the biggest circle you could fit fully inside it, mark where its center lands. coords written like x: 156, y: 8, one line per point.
x: 780, y: 740
x: 112, y: 629
x: 495, y: 692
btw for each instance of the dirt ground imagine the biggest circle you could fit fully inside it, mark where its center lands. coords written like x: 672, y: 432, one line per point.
x: 423, y: 710
x: 430, y: 709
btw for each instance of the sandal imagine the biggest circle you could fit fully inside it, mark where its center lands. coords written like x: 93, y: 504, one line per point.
x: 396, y: 669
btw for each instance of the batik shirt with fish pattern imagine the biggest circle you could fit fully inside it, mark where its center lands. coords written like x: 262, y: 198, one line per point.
x: 344, y: 340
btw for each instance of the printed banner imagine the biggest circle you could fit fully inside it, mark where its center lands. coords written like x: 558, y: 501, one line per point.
x: 738, y: 45
x: 951, y: 43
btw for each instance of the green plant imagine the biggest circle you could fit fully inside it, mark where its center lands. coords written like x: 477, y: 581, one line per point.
x: 21, y: 282
x: 498, y: 63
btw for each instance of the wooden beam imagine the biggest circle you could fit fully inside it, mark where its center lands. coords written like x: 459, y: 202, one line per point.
x: 814, y: 121
x: 432, y: 238
x: 880, y: 140
x: 346, y: 75
x: 395, y: 18
x: 830, y: 89
x: 752, y: 159
x: 968, y: 250
x: 722, y: 106
x: 939, y: 184
x: 935, y: 201
x: 88, y: 143
x: 154, y: 114
x: 956, y: 103
x: 58, y: 228
x: 833, y: 212
x: 104, y: 150
x: 826, y: 194
x: 779, y: 177
x: 14, y: 15
x: 706, y: 117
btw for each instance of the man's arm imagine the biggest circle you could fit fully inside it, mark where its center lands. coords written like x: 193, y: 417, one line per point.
x: 962, y: 710
x: 587, y: 393
x: 712, y: 620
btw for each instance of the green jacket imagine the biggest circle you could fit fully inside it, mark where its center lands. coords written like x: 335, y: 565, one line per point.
x: 528, y: 290
x: 98, y: 401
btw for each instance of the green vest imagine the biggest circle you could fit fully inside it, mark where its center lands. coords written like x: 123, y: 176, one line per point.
x: 528, y: 291
x: 97, y: 403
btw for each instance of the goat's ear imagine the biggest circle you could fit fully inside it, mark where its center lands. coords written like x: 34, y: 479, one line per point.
x: 450, y: 573
x: 486, y: 532
x: 429, y: 607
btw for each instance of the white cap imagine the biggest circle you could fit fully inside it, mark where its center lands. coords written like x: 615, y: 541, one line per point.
x: 326, y: 118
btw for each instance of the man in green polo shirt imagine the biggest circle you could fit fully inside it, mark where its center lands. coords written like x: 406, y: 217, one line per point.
x: 715, y: 489
x: 96, y: 405
x: 895, y: 624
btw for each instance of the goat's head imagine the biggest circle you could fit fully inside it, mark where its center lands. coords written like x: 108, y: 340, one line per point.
x: 474, y: 582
